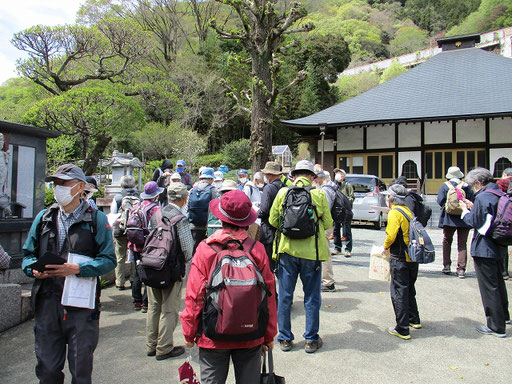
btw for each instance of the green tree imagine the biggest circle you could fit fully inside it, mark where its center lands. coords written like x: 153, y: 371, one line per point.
x: 237, y: 154
x: 394, y: 70
x: 64, y: 57
x: 94, y: 116
x: 262, y: 34
x: 351, y: 86
x: 16, y: 96
x: 484, y: 19
x: 408, y: 39
x: 160, y: 140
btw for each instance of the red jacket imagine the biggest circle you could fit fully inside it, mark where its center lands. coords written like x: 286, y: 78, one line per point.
x: 203, y: 262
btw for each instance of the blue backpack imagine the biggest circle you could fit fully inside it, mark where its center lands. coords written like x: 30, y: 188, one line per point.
x: 420, y: 249
x: 198, y: 203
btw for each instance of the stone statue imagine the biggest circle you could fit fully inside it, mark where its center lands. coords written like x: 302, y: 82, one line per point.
x: 4, y: 168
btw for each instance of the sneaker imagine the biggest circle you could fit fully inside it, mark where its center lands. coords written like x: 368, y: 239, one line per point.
x: 328, y: 288
x: 331, y: 237
x: 446, y: 271
x: 175, y: 352
x: 336, y: 252
x: 415, y: 326
x: 137, y: 306
x: 506, y: 277
x: 151, y: 353
x: 484, y: 329
x: 286, y: 345
x: 144, y: 309
x: 313, y: 346
x: 394, y: 332
x: 461, y: 274
x: 348, y: 254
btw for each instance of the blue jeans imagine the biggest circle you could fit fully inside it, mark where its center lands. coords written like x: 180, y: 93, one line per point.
x: 289, y: 269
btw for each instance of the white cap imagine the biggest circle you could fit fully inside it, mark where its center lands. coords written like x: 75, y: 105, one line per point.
x: 219, y: 176
x: 176, y: 176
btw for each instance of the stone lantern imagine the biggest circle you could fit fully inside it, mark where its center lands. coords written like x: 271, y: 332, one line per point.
x: 121, y: 164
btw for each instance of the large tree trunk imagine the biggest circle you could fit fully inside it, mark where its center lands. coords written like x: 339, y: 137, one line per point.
x: 91, y: 161
x: 261, y: 117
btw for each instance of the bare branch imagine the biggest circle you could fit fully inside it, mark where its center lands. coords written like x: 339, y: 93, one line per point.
x: 237, y: 96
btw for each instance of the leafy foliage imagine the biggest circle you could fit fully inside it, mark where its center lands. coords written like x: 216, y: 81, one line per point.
x: 408, y: 39
x: 236, y: 154
x: 392, y: 71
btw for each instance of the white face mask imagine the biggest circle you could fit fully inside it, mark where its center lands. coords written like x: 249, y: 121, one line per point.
x: 63, y: 195
x: 266, y: 180
x: 217, y: 184
x: 243, y: 180
x: 260, y: 185
x: 338, y: 177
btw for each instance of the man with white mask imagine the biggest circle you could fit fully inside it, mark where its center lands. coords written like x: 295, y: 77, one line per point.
x: 68, y: 228
x: 219, y: 178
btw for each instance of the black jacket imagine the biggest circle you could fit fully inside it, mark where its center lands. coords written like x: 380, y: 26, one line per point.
x: 267, y: 199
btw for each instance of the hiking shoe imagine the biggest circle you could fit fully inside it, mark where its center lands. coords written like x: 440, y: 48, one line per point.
x: 415, y: 326
x: 506, y: 277
x: 312, y: 346
x: 336, y: 252
x: 176, y: 351
x: 394, y: 332
x: 461, y: 274
x: 144, y: 309
x: 348, y: 254
x: 137, y: 306
x: 446, y: 271
x: 328, y: 288
x: 484, y: 329
x: 151, y: 353
x: 286, y: 345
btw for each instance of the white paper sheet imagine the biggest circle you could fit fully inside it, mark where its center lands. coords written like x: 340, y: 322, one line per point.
x: 79, y: 291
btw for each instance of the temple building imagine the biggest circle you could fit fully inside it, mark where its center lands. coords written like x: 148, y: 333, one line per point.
x: 454, y: 109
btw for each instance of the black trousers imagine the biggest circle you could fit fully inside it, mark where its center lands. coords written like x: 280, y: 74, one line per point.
x: 55, y: 329
x: 403, y: 294
x: 198, y: 235
x: 489, y: 273
x: 214, y: 365
x: 504, y: 258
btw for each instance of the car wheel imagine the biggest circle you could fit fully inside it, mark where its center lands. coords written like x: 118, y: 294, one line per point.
x: 378, y: 224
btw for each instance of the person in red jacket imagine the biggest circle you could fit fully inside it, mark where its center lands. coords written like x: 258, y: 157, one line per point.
x: 234, y: 209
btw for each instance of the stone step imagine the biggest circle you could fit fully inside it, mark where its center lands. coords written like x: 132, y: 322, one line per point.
x: 15, y: 307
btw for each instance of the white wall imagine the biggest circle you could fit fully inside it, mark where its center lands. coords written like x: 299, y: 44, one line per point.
x: 350, y: 139
x: 380, y: 136
x: 328, y: 145
x: 471, y: 131
x: 438, y: 132
x: 500, y: 130
x: 495, y: 154
x: 409, y: 135
x: 25, y: 183
x: 409, y: 155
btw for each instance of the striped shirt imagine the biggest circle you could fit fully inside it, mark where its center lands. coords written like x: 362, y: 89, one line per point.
x: 66, y: 220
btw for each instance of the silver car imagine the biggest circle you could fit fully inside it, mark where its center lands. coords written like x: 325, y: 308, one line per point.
x: 367, y: 190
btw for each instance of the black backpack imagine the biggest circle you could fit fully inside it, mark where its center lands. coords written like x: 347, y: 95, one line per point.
x: 421, y: 211
x: 298, y: 213
x: 162, y: 262
x: 341, y: 206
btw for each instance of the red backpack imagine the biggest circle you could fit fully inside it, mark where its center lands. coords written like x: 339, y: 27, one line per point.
x: 235, y: 307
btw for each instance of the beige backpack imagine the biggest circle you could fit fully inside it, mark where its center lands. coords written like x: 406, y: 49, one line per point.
x: 454, y: 195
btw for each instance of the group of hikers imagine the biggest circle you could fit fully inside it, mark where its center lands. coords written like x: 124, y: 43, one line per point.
x: 239, y: 248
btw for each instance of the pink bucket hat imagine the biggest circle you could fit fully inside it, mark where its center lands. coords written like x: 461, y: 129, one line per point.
x: 234, y: 207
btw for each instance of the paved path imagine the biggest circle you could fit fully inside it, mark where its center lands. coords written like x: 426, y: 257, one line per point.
x: 354, y: 320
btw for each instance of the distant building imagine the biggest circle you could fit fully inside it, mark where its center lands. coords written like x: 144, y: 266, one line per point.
x: 454, y: 109
x: 282, y: 155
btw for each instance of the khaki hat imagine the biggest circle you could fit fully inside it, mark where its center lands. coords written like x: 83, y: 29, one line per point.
x: 304, y: 166
x: 339, y: 170
x: 176, y: 191
x: 454, y: 173
x: 228, y: 185
x: 272, y: 168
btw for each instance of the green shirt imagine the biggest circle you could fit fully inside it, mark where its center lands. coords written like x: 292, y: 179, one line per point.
x: 303, y: 248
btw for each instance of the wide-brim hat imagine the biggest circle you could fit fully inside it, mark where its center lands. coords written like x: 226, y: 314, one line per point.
x: 339, y: 170
x: 67, y: 172
x: 304, y: 165
x: 454, y: 173
x: 234, y: 207
x: 272, y: 168
x: 207, y: 173
x: 151, y: 189
x: 228, y: 185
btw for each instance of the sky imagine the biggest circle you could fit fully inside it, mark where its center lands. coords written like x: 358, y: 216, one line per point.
x: 17, y: 15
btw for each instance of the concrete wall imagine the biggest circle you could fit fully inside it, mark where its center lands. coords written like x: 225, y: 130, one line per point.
x: 409, y: 135
x: 380, y: 136
x: 438, y: 132
x: 500, y: 130
x: 350, y: 139
x: 471, y: 131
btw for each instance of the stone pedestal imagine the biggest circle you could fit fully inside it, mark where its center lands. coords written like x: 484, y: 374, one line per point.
x: 10, y: 310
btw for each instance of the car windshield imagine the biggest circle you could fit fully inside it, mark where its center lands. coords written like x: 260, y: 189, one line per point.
x: 362, y: 184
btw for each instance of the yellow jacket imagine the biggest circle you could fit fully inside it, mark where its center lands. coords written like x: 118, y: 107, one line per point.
x: 397, y: 221
x: 303, y: 248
